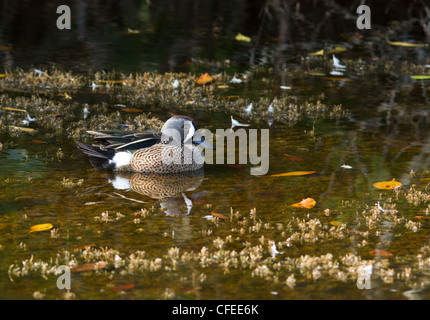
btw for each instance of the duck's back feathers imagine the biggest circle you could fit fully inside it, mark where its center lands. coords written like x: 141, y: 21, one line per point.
x: 126, y: 140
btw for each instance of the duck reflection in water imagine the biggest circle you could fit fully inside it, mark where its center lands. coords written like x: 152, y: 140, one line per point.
x: 168, y: 189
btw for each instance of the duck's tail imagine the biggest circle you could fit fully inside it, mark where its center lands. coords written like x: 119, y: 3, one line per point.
x: 100, y: 159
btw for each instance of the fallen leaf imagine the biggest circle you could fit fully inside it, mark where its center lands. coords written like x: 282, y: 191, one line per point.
x: 89, y: 266
x: 131, y: 110
x: 23, y: 129
x: 123, y: 287
x: 220, y: 216
x: 2, y: 75
x: 337, y: 79
x: 337, y: 49
x: 41, y: 227
x: 293, y: 158
x: 317, y: 53
x: 223, y: 86
x: 382, y: 253
x: 387, y: 184
x: 336, y: 223
x: 230, y: 97
x: 420, y: 77
x: 406, y: 44
x: 37, y: 142
x: 5, y: 48
x: 294, y: 173
x: 14, y: 109
x: 241, y: 37
x: 204, y: 78
x: 307, y: 203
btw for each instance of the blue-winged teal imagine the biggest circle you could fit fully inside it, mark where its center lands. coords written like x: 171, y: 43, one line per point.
x: 173, y: 149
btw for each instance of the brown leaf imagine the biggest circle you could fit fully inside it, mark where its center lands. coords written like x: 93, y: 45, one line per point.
x: 123, y: 287
x: 89, y: 266
x: 293, y: 158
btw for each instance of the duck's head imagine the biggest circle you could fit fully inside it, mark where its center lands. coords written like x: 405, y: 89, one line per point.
x: 181, y: 129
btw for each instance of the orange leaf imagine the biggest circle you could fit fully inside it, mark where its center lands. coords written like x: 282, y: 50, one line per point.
x: 307, y: 203
x: 382, y: 253
x: 294, y: 173
x: 205, y: 78
x: 41, y: 227
x: 220, y: 216
x: 387, y: 184
x: 293, y: 158
x: 123, y: 287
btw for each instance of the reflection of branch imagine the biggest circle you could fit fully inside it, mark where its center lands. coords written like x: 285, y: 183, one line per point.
x: 282, y: 9
x: 131, y: 199
x: 425, y: 21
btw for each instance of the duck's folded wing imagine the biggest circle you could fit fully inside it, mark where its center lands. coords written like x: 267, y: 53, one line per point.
x: 126, y: 140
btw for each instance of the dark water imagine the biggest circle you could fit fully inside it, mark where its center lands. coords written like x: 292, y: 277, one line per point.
x: 47, y: 180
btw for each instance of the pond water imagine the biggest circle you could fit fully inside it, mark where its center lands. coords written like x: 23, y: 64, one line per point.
x: 222, y: 233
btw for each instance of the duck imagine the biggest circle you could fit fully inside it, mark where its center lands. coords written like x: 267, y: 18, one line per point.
x: 178, y: 147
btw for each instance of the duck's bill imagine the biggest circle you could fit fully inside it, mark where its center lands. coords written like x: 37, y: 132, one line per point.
x: 205, y: 144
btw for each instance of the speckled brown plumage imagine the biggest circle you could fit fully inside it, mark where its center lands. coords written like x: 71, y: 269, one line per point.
x: 166, y: 158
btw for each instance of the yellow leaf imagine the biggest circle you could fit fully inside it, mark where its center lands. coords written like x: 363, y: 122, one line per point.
x: 223, y: 86
x: 387, y: 184
x: 23, y: 129
x: 204, y: 78
x: 2, y: 75
x: 337, y: 50
x: 307, y: 203
x: 336, y: 223
x: 241, y: 37
x: 67, y: 96
x: 294, y: 173
x: 40, y: 227
x: 420, y: 77
x: 317, y: 53
x: 406, y: 44
x: 14, y: 109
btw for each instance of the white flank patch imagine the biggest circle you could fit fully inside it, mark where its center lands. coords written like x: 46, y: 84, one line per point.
x: 121, y: 159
